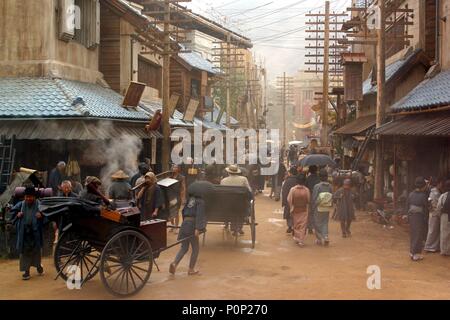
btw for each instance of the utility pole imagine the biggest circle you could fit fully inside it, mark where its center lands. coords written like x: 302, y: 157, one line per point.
x: 166, y: 90
x: 161, y: 12
x: 285, y: 87
x: 381, y: 82
x: 323, y: 59
x: 326, y: 84
x: 228, y: 55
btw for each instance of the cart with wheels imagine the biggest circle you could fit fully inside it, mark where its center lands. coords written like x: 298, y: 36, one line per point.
x: 112, y: 243
x: 232, y: 205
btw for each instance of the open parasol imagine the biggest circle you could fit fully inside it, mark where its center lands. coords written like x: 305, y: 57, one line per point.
x: 317, y: 160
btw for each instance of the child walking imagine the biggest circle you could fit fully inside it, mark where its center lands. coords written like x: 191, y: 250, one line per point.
x: 345, y: 209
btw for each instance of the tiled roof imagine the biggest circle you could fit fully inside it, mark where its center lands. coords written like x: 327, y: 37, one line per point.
x: 434, y: 124
x: 391, y: 71
x: 357, y: 126
x: 196, y: 61
x: 431, y: 93
x: 57, y: 98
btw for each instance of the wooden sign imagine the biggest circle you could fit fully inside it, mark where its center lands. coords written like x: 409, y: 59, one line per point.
x: 134, y: 94
x: 191, y: 110
x: 173, y: 102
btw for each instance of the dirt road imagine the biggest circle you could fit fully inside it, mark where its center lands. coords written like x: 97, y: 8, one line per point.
x: 276, y: 269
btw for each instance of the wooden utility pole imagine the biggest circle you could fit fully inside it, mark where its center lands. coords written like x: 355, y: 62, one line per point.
x: 326, y: 57
x: 169, y: 42
x: 381, y: 82
x: 166, y: 90
x: 326, y: 84
x: 228, y: 55
x: 285, y: 87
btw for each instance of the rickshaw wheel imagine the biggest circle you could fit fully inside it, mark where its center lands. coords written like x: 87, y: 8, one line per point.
x: 253, y: 226
x: 72, y: 250
x: 126, y: 263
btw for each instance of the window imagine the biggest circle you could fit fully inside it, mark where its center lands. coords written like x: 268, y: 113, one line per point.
x: 87, y: 32
x: 195, y: 88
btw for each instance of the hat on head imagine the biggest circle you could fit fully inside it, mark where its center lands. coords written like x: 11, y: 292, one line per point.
x: 91, y: 179
x: 233, y: 169
x: 120, y: 175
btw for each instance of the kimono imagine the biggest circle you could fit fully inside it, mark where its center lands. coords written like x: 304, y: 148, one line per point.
x: 298, y: 200
x: 29, y: 235
x: 151, y: 200
x: 345, y: 209
x: 445, y: 225
x: 288, y: 184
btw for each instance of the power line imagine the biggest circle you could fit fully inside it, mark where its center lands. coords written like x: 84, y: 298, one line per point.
x: 249, y: 10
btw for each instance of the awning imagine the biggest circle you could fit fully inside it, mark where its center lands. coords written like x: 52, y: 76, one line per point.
x: 357, y: 126
x: 432, y: 124
x: 75, y: 129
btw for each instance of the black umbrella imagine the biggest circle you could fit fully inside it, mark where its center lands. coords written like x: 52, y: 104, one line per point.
x: 317, y: 160
x: 200, y: 189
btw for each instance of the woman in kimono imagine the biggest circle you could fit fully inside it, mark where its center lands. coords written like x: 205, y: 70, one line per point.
x: 29, y: 226
x: 299, y: 199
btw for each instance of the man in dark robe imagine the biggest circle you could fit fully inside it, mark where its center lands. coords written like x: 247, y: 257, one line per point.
x: 120, y: 189
x: 143, y: 168
x: 289, y: 183
x: 29, y: 227
x: 150, y: 198
x: 56, y: 177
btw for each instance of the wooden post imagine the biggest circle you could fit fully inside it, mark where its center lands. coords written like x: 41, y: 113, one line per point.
x: 166, y: 90
x: 284, y: 109
x: 228, y: 59
x: 381, y: 82
x: 326, y: 66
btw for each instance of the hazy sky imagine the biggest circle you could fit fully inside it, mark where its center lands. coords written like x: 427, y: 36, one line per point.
x: 276, y: 27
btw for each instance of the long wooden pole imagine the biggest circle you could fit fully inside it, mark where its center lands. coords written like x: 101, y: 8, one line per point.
x: 166, y: 90
x: 284, y: 110
x: 326, y: 80
x: 381, y: 83
x: 228, y: 59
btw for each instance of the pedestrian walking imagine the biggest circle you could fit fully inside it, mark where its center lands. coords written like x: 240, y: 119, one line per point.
x: 194, y: 222
x: 180, y: 192
x: 345, y: 207
x: 434, y: 222
x: 322, y: 204
x: 443, y: 208
x: 289, y: 183
x: 29, y: 227
x: 298, y: 203
x: 311, y: 181
x: 417, y: 205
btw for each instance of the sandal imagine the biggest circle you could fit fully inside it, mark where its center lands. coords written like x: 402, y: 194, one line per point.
x: 193, y: 273
x: 172, y: 268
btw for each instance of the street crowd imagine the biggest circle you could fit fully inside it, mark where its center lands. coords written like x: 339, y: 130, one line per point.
x: 309, y: 196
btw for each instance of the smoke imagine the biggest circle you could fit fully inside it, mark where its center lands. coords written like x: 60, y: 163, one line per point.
x: 118, y: 154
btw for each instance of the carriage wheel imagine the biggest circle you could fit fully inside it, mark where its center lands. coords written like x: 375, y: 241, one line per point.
x: 72, y: 250
x: 253, y: 226
x: 126, y: 263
